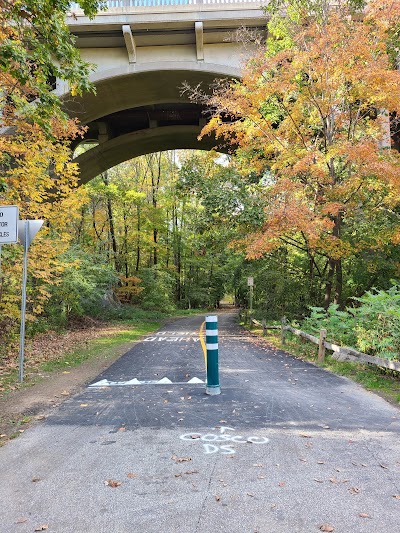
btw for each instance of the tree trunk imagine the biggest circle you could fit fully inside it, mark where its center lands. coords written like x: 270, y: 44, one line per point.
x: 335, y: 266
x: 339, y: 283
x: 329, y: 283
x: 126, y: 264
x: 110, y: 216
x: 155, y: 256
x: 138, y: 228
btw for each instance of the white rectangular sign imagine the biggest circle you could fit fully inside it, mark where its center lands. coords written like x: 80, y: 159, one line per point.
x: 250, y: 282
x: 8, y: 224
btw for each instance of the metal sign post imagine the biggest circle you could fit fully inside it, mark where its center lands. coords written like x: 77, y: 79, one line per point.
x: 27, y: 230
x: 8, y: 224
x: 8, y: 229
x: 250, y: 283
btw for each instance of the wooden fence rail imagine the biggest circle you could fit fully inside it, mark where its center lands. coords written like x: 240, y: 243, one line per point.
x: 340, y: 353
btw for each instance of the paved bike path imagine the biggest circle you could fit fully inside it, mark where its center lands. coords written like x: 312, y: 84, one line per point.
x: 286, y: 447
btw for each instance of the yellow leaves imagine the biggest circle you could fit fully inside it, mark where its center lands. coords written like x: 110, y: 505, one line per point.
x: 39, y: 195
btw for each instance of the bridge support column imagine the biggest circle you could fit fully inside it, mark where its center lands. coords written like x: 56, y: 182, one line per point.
x: 198, y: 28
x: 129, y: 43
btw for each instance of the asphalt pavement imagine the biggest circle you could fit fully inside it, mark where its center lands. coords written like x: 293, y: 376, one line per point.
x: 286, y: 448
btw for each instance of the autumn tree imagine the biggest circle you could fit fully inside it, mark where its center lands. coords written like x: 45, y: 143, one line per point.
x: 311, y: 113
x: 36, y: 49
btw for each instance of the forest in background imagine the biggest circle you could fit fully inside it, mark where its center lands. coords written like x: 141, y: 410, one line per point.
x: 163, y: 232
x: 307, y: 204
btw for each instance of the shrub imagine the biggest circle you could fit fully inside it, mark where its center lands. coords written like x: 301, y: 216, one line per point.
x: 377, y: 322
x: 373, y: 326
x: 83, y: 283
x: 158, y: 289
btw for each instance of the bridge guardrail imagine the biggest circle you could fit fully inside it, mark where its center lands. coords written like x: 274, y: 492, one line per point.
x: 115, y: 4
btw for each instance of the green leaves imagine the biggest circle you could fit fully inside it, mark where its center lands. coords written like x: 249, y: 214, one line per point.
x: 373, y: 326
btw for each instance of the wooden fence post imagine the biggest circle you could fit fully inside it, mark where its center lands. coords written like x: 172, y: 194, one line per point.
x: 283, y: 330
x: 264, y: 326
x: 321, y: 347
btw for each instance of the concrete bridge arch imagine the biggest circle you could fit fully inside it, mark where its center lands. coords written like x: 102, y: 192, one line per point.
x: 141, y: 110
x: 143, y: 55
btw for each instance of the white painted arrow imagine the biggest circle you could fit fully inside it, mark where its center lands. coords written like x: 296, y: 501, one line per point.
x: 222, y: 429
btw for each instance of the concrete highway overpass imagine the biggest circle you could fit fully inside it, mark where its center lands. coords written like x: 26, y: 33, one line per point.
x: 143, y: 51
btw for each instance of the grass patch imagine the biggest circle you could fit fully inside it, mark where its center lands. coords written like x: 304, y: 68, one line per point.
x: 384, y: 382
x: 58, y: 351
x: 100, y: 347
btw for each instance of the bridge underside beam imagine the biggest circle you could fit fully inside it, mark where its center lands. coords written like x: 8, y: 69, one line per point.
x: 141, y: 85
x: 110, y: 153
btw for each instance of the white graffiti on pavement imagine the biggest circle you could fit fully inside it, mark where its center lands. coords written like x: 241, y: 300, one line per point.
x: 225, y: 449
x: 174, y: 336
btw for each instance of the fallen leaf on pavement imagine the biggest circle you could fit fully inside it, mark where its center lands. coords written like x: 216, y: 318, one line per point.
x: 112, y: 483
x: 250, y: 494
x: 84, y: 404
x: 396, y: 496
x: 180, y: 459
x: 42, y: 528
x: 354, y: 490
x: 192, y: 472
x: 282, y: 483
x: 364, y: 515
x: 334, y: 480
x: 35, y: 479
x: 131, y: 475
x: 21, y: 521
x: 326, y: 527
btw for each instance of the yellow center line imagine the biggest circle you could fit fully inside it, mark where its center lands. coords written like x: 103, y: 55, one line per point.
x: 203, y: 344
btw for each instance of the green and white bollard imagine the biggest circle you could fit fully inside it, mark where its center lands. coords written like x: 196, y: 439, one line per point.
x: 212, y: 387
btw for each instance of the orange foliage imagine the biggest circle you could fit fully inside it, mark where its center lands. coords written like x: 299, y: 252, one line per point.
x: 312, y: 113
